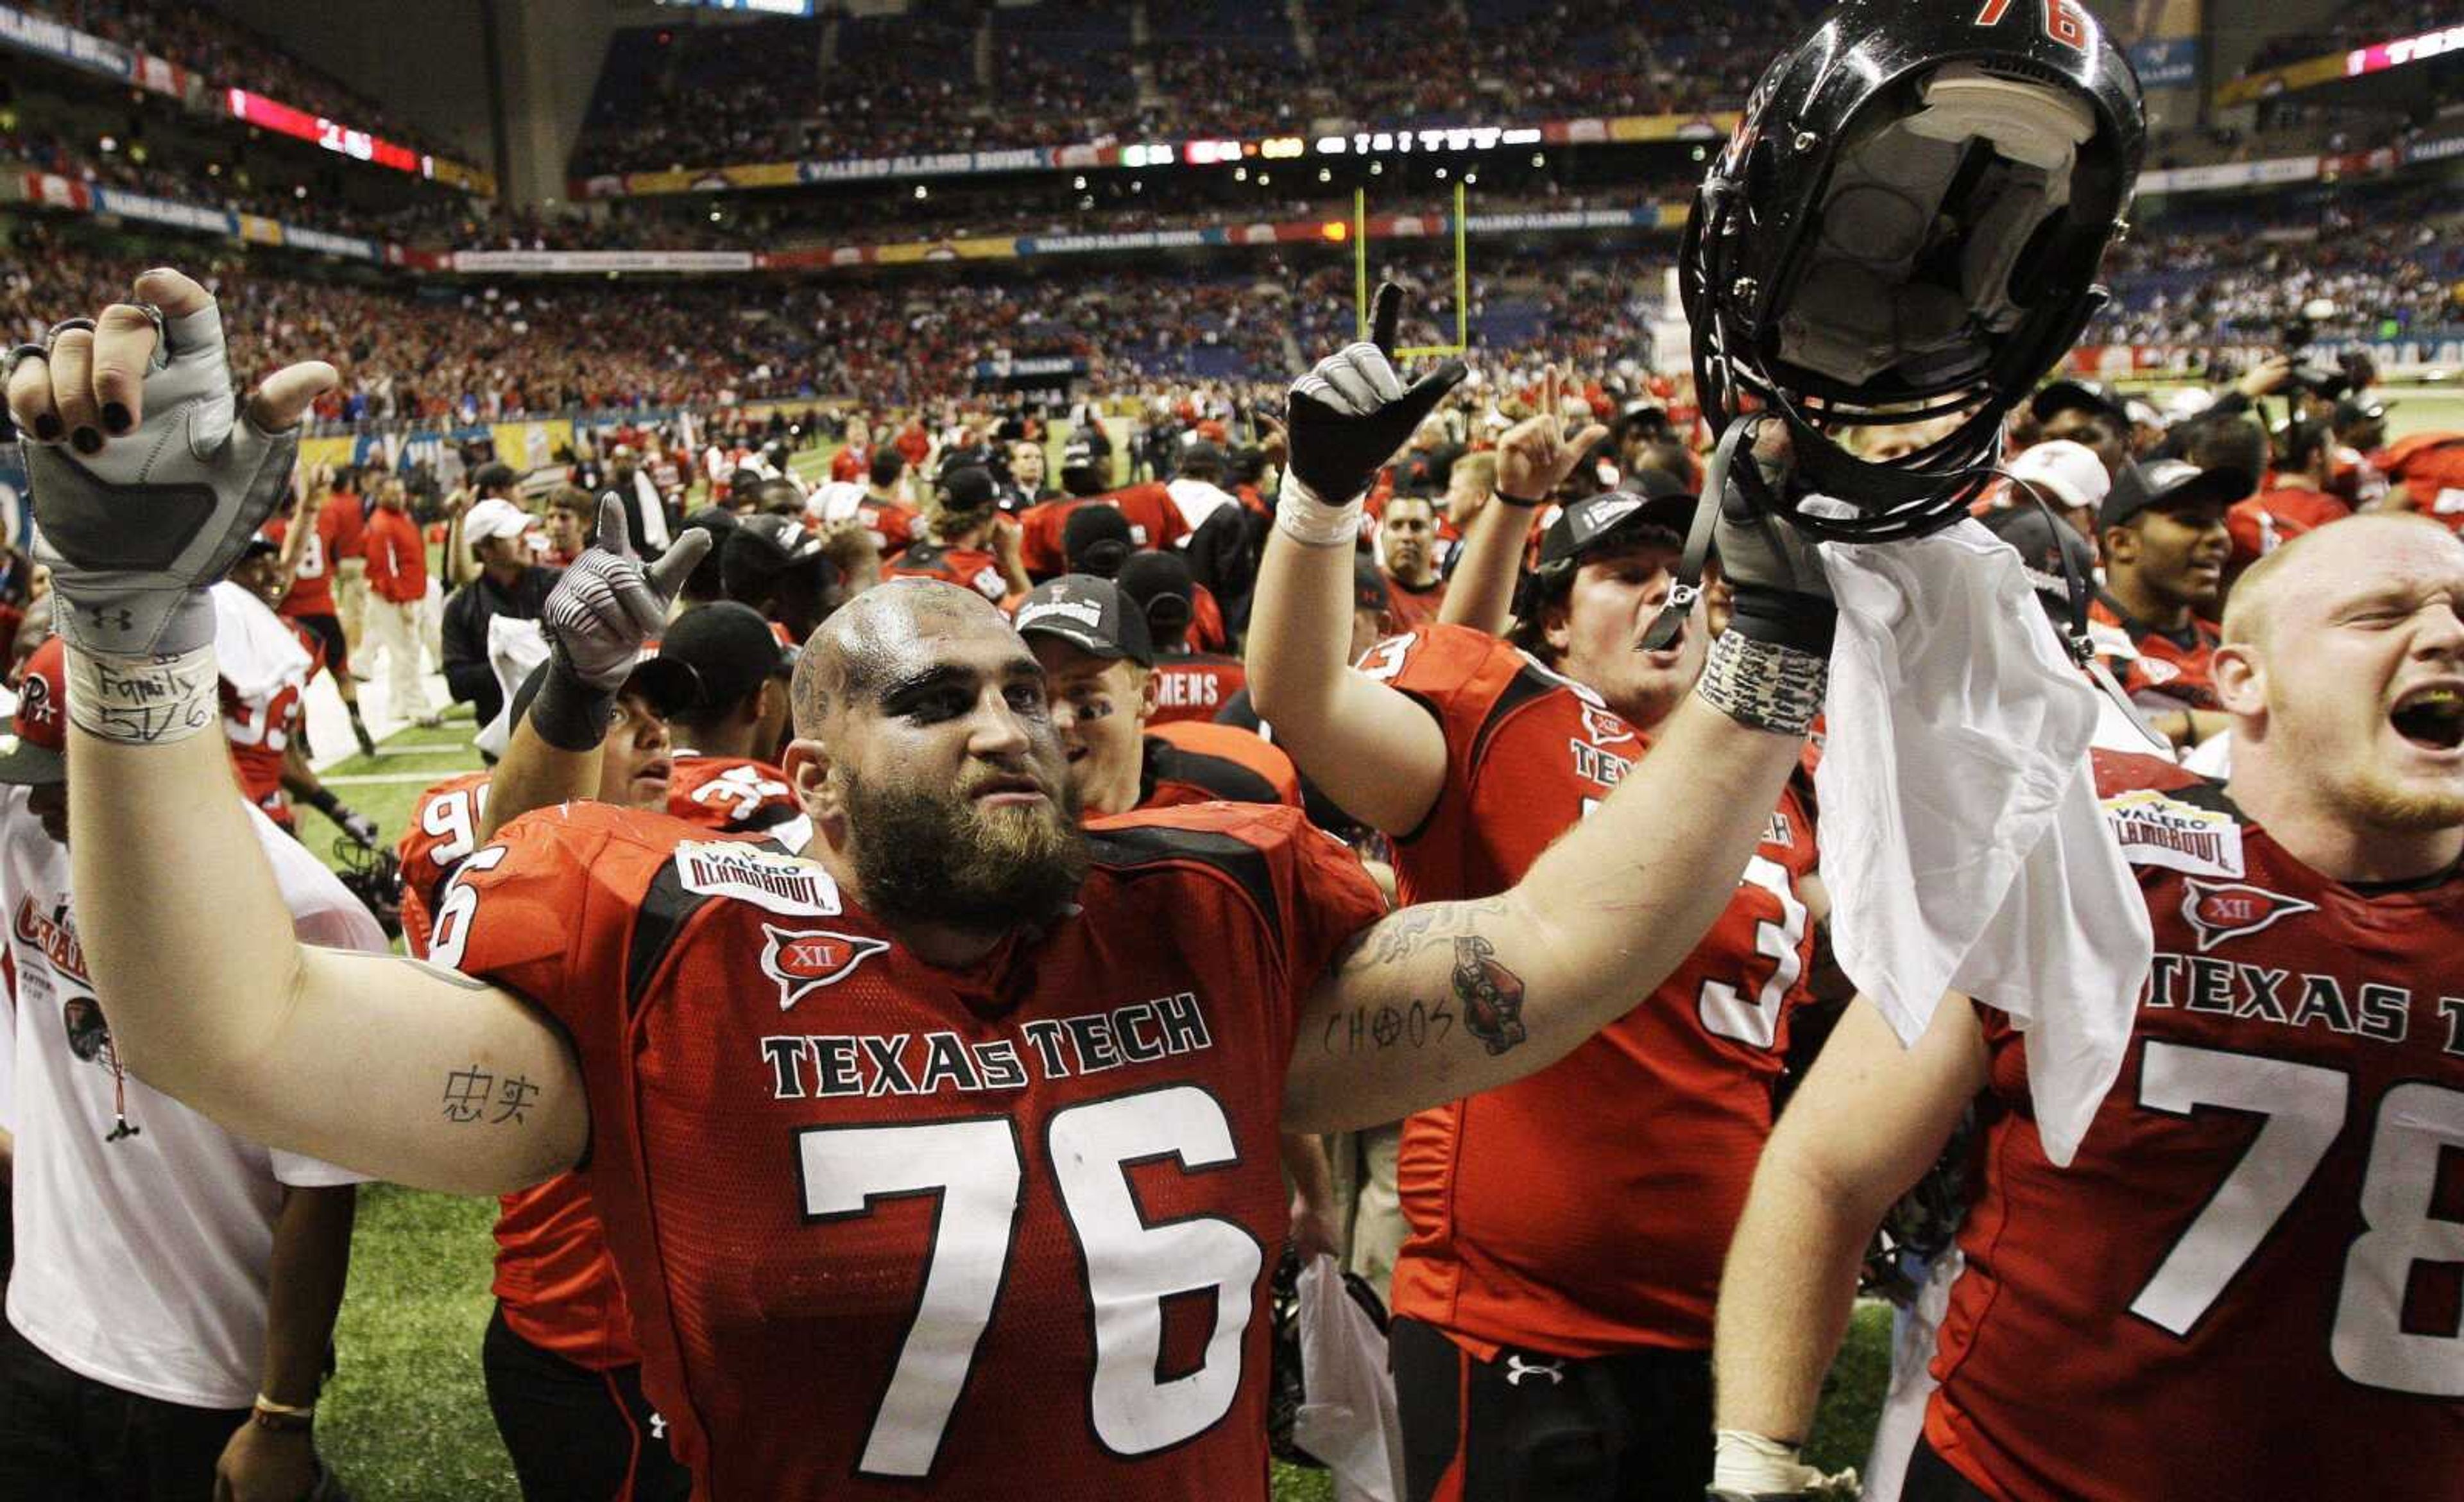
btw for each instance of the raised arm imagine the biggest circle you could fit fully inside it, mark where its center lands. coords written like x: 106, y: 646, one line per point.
x: 1366, y: 745
x: 1867, y: 1122
x: 595, y: 620
x: 342, y: 1056
x: 1446, y: 999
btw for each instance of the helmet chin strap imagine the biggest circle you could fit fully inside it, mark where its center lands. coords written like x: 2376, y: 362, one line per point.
x: 1688, y: 586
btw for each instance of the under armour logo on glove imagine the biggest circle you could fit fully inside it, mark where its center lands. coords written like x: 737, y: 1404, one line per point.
x: 1352, y: 412
x: 1517, y: 1369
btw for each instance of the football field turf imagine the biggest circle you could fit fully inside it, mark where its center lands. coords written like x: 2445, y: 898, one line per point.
x: 405, y: 1417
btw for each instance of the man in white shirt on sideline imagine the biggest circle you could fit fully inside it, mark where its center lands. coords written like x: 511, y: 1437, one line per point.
x: 175, y: 1287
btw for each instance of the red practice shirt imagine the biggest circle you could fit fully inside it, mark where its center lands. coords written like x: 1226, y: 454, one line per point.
x: 554, y: 1278
x: 889, y: 1226
x: 397, y: 557
x: 2250, y: 1282
x: 1584, y: 1210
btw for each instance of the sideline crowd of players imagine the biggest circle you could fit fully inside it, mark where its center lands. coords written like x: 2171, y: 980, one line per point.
x: 1255, y: 831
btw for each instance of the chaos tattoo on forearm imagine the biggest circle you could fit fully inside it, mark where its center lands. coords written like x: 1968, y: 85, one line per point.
x: 474, y: 1095
x: 1487, y: 995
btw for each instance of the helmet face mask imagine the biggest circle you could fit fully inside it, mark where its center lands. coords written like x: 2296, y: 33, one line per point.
x: 1906, y: 227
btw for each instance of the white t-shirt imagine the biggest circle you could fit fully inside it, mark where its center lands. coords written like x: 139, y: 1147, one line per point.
x: 143, y: 1263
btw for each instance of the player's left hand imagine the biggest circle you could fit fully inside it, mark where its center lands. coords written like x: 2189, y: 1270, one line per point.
x: 1352, y: 412
x: 148, y: 477
x: 261, y: 1464
x: 607, y: 604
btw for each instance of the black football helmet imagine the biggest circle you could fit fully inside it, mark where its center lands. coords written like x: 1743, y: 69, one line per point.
x: 1906, y: 227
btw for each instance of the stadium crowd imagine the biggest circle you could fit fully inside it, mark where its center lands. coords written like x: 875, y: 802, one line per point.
x: 911, y: 83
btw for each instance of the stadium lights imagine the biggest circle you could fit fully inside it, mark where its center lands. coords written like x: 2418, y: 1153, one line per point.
x: 1282, y: 149
x: 1332, y: 146
x: 1335, y: 230
x: 1079, y: 182
x: 1239, y: 174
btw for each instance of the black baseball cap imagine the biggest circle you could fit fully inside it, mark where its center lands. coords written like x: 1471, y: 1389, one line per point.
x: 259, y: 545
x: 1160, y: 585
x: 730, y: 649
x: 2161, y: 484
x: 2354, y: 410
x: 1090, y: 614
x: 760, y: 548
x: 671, y: 686
x: 2043, y: 544
x: 967, y: 489
x: 1651, y: 499
x: 2081, y: 396
x: 1096, y: 540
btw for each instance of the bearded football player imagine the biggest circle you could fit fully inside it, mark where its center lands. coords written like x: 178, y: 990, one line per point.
x: 943, y: 1155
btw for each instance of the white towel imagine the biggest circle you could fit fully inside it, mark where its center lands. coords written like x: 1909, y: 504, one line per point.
x: 254, y: 651
x: 515, y: 646
x: 1961, y: 838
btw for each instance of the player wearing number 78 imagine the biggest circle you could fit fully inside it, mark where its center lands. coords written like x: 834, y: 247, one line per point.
x: 2247, y: 1285
x: 942, y: 1159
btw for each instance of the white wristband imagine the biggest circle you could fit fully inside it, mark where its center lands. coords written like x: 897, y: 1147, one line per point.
x: 1301, y: 516
x: 144, y: 702
x: 1748, y: 1464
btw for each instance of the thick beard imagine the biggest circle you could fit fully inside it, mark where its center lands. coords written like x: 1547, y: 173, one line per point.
x: 925, y: 858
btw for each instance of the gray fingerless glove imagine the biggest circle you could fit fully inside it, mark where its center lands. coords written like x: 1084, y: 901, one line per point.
x: 133, y: 534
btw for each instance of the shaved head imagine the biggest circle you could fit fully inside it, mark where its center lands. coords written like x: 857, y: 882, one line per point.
x: 878, y: 637
x: 2328, y: 554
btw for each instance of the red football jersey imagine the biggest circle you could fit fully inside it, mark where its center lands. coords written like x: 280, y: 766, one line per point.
x: 889, y: 1225
x: 2274, y: 517
x: 1154, y: 522
x: 1194, y: 687
x: 1197, y: 761
x: 2250, y: 1282
x: 341, y: 526
x: 260, y: 731
x: 1586, y: 1209
x: 968, y: 567
x: 732, y: 793
x: 2431, y: 469
x: 444, y: 829
x: 893, y: 526
x: 312, y: 587
x: 2151, y: 665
